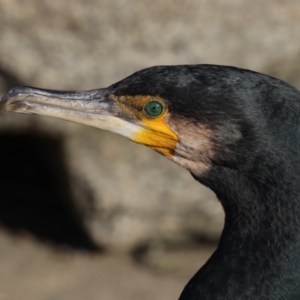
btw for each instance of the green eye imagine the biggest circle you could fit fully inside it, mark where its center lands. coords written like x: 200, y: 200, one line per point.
x: 153, y: 108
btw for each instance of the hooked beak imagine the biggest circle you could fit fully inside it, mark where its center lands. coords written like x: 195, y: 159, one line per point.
x: 90, y: 107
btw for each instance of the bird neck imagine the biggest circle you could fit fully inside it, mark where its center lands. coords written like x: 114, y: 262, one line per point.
x: 258, y: 254
x: 260, y: 205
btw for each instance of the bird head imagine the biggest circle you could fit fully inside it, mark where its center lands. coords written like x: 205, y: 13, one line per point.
x: 195, y: 115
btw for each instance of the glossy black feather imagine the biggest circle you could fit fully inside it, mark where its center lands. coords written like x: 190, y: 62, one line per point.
x: 255, y: 174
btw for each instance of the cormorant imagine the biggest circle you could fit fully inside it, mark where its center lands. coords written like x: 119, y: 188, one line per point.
x: 237, y: 132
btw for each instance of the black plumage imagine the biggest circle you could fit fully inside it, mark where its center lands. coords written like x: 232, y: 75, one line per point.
x: 255, y: 174
x: 250, y: 123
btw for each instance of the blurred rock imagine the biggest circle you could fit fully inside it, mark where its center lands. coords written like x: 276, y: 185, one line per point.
x: 287, y: 69
x: 127, y: 195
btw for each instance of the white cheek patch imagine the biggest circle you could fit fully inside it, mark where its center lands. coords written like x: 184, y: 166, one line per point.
x: 196, y: 167
x: 195, y: 148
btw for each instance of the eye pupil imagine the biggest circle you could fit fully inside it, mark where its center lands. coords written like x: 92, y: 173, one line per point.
x: 153, y: 108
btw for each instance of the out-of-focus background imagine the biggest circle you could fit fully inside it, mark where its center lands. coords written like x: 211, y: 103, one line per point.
x: 85, y: 214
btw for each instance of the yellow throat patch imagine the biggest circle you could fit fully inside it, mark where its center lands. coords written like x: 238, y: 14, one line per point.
x: 153, y: 132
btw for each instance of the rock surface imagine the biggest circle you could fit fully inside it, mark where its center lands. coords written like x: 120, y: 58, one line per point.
x: 125, y: 195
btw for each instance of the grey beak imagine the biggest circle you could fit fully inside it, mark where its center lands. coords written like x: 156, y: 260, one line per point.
x: 90, y: 107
